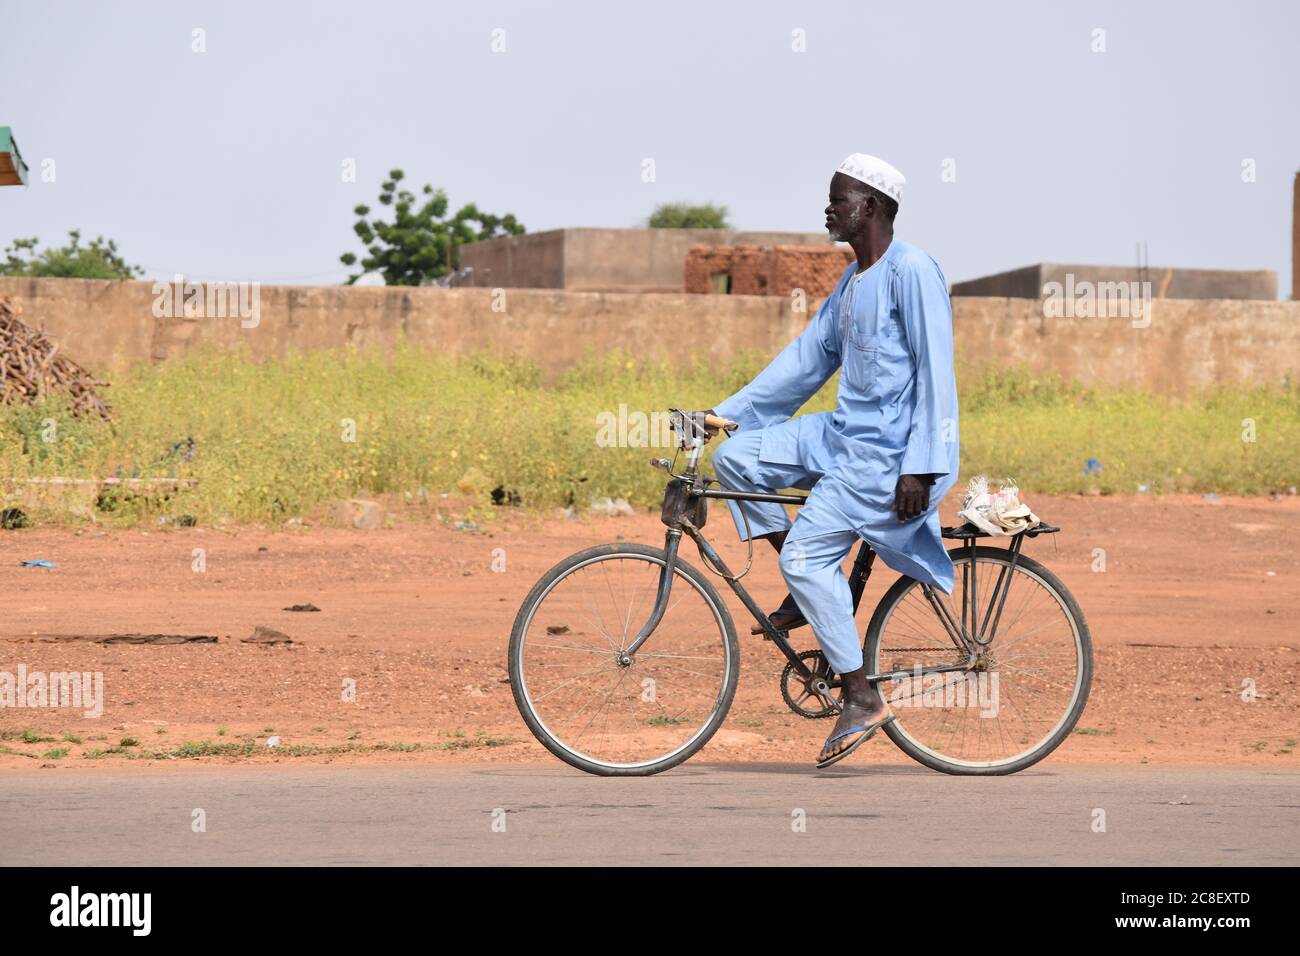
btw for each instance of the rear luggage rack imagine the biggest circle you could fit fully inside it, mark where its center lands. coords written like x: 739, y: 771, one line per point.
x: 968, y: 530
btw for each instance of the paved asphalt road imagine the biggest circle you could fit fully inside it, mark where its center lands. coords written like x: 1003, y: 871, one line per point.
x: 698, y: 814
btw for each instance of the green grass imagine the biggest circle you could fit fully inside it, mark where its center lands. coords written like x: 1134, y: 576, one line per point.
x: 269, y: 437
x: 248, y: 748
x: 26, y: 736
x: 465, y: 743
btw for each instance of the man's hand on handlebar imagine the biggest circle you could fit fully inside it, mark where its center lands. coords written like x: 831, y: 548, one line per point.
x: 712, y: 423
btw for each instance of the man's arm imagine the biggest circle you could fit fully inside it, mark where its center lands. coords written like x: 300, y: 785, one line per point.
x: 927, y: 321
x: 794, y: 376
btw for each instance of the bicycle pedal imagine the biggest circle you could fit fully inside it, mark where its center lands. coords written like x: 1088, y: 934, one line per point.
x: 824, y: 692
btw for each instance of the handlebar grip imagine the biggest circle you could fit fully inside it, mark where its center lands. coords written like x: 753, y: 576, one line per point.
x: 717, y: 421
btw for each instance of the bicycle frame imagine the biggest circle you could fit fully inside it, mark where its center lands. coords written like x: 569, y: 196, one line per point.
x: 680, y: 501
x: 684, y: 494
x: 680, y: 523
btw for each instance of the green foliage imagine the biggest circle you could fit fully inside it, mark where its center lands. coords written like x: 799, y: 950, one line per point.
x: 99, y: 260
x: 1042, y: 431
x: 269, y: 437
x: 680, y: 215
x: 50, y: 434
x: 413, y: 247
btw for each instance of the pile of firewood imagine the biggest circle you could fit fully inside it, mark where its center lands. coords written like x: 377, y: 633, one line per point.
x: 30, y: 367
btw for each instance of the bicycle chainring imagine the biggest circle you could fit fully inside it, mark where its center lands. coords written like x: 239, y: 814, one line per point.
x: 797, y: 693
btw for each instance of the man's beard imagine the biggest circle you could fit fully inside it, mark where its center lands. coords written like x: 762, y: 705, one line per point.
x: 842, y: 230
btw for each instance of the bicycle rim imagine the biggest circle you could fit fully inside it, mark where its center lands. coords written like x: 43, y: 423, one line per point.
x: 1019, y: 704
x: 593, y: 712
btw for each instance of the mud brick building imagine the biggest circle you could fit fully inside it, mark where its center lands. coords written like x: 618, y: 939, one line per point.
x: 604, y: 260
x: 766, y: 270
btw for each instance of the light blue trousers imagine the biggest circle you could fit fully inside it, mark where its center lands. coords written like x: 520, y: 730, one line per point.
x: 814, y: 550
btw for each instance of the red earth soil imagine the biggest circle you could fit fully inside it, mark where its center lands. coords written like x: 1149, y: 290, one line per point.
x: 1198, y: 597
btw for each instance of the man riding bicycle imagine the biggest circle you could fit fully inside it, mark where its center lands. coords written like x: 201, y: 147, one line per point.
x: 881, y: 462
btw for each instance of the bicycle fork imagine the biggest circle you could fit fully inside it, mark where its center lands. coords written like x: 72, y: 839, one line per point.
x: 672, y: 542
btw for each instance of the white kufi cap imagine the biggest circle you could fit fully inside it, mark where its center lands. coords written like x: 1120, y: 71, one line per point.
x: 876, y: 173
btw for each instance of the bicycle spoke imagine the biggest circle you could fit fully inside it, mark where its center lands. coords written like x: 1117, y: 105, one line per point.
x: 624, y: 713
x: 1022, y: 685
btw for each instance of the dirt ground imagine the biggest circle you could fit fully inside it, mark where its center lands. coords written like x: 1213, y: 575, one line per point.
x: 1197, y: 597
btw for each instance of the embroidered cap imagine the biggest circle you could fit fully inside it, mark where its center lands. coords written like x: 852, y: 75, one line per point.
x: 876, y: 173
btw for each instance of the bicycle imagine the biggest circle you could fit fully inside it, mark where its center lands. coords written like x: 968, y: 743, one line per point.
x: 576, y: 664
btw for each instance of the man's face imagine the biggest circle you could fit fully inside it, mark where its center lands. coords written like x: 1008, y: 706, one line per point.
x: 844, y: 212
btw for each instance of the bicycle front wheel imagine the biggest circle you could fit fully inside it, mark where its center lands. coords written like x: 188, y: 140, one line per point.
x: 591, y: 709
x: 1024, y: 696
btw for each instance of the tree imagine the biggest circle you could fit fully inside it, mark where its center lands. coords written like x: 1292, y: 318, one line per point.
x: 99, y: 260
x: 680, y: 215
x: 414, y: 246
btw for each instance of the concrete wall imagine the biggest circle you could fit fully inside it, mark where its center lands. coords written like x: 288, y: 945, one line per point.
x: 604, y: 260
x: 1295, y: 239
x: 1189, y: 343
x: 1016, y: 284
x: 535, y: 259
x: 105, y: 325
x: 1166, y: 282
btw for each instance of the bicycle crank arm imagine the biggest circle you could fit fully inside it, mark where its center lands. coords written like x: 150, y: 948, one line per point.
x: 823, y: 690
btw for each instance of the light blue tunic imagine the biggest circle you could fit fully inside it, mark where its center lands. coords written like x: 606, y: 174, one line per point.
x: 889, y: 330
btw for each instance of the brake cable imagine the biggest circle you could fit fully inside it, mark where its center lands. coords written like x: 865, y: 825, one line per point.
x: 749, y: 542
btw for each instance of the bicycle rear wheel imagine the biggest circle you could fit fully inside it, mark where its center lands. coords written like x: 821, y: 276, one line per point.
x: 596, y: 713
x: 1019, y: 703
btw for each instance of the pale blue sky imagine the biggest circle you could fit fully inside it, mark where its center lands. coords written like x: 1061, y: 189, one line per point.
x: 227, y: 163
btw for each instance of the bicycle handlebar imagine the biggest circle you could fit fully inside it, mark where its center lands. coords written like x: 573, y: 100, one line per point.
x: 694, y: 429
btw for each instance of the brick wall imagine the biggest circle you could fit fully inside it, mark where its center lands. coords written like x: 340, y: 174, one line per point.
x: 814, y: 270
x: 702, y: 264
x: 767, y: 270
x: 751, y: 267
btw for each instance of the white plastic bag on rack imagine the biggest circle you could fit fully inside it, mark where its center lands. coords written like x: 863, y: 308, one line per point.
x: 1000, y: 512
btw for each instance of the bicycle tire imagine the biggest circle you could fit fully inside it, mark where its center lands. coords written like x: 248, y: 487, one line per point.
x: 929, y: 758
x: 518, y: 680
